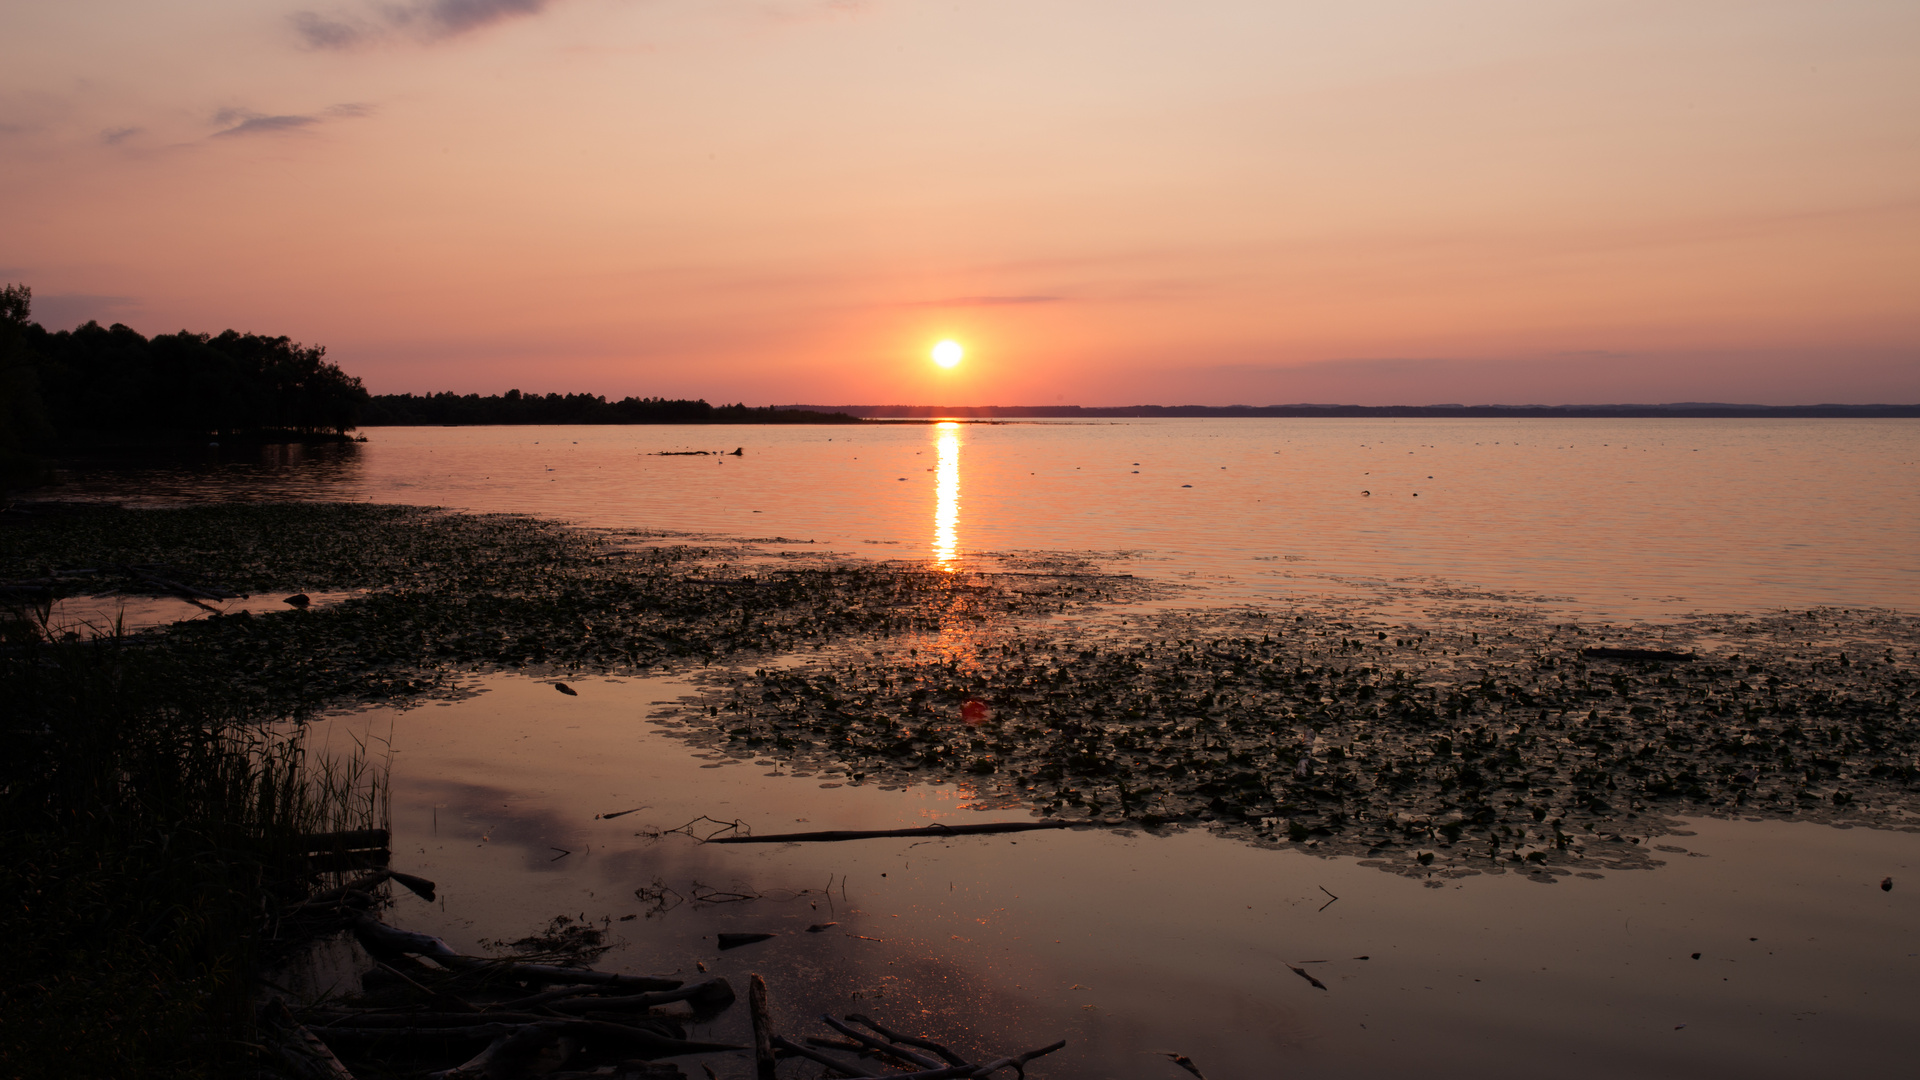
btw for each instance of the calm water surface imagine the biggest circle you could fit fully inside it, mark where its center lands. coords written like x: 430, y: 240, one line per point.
x: 1609, y: 518
x: 1128, y: 944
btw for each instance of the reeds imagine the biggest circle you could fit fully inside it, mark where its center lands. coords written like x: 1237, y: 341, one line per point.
x: 148, y: 825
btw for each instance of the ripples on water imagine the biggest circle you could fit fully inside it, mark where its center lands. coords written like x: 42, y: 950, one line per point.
x: 1609, y: 518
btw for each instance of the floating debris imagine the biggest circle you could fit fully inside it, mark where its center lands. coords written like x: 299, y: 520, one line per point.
x: 1302, y: 972
x: 1423, y: 748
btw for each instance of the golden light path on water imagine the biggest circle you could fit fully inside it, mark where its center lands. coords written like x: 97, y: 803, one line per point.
x: 946, y: 507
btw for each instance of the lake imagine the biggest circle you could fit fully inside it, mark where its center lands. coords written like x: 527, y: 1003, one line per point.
x: 1629, y: 519
x: 1766, y: 948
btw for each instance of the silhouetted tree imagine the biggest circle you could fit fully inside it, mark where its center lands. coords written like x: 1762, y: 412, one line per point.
x: 95, y: 383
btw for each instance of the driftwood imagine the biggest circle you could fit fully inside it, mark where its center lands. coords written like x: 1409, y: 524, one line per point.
x: 643, y: 1042
x: 1181, y: 1060
x: 713, y: 993
x: 354, y: 1018
x: 353, y: 850
x: 377, y: 935
x: 363, y: 886
x: 578, y: 1025
x: 948, y: 1066
x: 299, y: 1049
x: 907, y: 1040
x: 844, y: 1068
x: 884, y: 1047
x: 762, y: 1026
x: 871, y: 834
x: 507, y: 1055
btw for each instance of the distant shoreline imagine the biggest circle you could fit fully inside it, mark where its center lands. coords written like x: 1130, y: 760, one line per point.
x: 1679, y: 411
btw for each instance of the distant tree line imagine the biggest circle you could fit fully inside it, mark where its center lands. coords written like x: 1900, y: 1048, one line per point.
x: 111, y: 385
x: 514, y: 407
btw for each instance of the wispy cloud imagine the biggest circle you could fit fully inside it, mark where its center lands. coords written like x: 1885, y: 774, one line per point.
x: 328, y: 32
x: 115, y: 136
x: 459, y: 16
x: 431, y: 20
x: 247, y: 122
x: 259, y: 125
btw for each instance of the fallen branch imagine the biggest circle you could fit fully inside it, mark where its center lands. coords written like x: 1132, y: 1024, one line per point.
x: 869, y: 1041
x: 951, y: 1067
x: 872, y: 834
x: 504, y: 1056
x: 907, y: 1040
x: 842, y: 1067
x: 1019, y: 1064
x: 713, y: 993
x: 647, y: 1043
x: 762, y: 1026
x: 377, y: 935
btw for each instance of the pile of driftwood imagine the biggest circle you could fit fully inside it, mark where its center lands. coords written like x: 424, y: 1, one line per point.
x: 926, y: 1059
x: 429, y: 1011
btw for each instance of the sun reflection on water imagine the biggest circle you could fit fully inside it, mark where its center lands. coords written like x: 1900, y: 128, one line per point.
x: 946, y: 511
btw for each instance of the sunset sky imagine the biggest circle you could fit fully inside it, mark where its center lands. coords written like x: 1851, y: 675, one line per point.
x: 1112, y: 202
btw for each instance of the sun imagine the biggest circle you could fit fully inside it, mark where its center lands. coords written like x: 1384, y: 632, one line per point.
x: 948, y: 353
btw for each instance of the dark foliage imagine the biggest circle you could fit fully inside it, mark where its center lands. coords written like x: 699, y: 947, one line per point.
x: 145, y: 820
x: 110, y: 384
x: 513, y: 407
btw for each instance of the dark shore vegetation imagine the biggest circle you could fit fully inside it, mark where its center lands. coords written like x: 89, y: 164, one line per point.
x: 1473, y: 741
x: 100, y: 385
x: 514, y: 407
x: 148, y: 820
x: 95, y: 388
x: 151, y: 782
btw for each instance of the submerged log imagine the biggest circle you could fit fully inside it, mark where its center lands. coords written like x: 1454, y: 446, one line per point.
x: 378, y: 935
x: 885, y: 1047
x: 907, y: 1040
x: 829, y: 836
x: 930, y: 1069
x: 713, y: 993
x: 509, y: 1055
x: 844, y: 1068
x: 641, y: 1042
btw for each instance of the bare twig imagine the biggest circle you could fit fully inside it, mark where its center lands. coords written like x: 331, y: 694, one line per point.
x: 864, y: 1039
x: 844, y: 1068
x: 829, y: 836
x: 907, y: 1040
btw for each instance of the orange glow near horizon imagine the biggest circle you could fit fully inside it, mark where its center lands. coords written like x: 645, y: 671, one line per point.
x: 1260, y: 203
